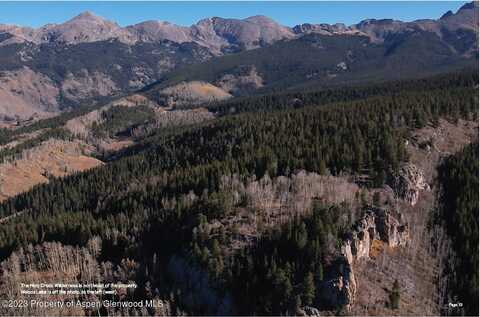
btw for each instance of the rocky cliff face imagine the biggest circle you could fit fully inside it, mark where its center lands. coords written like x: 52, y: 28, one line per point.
x: 409, y: 182
x: 376, y: 224
x: 341, y: 291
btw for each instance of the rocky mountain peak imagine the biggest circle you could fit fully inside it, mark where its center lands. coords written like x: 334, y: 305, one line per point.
x: 87, y: 15
x: 85, y: 27
x: 469, y: 6
x: 270, y: 26
x: 447, y: 14
x: 248, y: 33
x: 224, y: 34
x: 465, y: 18
x: 90, y: 21
x: 89, y: 18
x: 260, y: 19
x: 154, y: 30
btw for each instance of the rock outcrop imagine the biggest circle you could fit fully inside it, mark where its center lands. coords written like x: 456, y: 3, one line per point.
x: 341, y: 290
x: 376, y: 224
x: 409, y: 182
x: 308, y: 311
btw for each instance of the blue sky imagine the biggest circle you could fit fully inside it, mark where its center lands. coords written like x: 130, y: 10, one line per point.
x: 186, y: 13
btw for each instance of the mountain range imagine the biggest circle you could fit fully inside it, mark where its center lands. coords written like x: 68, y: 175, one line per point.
x: 89, y: 59
x: 224, y: 35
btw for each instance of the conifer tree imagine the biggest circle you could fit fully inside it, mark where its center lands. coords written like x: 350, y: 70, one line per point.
x: 395, y: 296
x: 308, y: 289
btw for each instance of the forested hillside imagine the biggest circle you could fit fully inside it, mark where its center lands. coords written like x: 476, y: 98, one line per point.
x: 458, y: 212
x: 316, y: 60
x: 309, y: 96
x: 142, y: 120
x: 152, y: 214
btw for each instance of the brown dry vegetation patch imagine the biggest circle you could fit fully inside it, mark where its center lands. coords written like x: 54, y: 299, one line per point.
x: 52, y: 158
x: 132, y: 101
x: 191, y: 93
x: 376, y: 248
